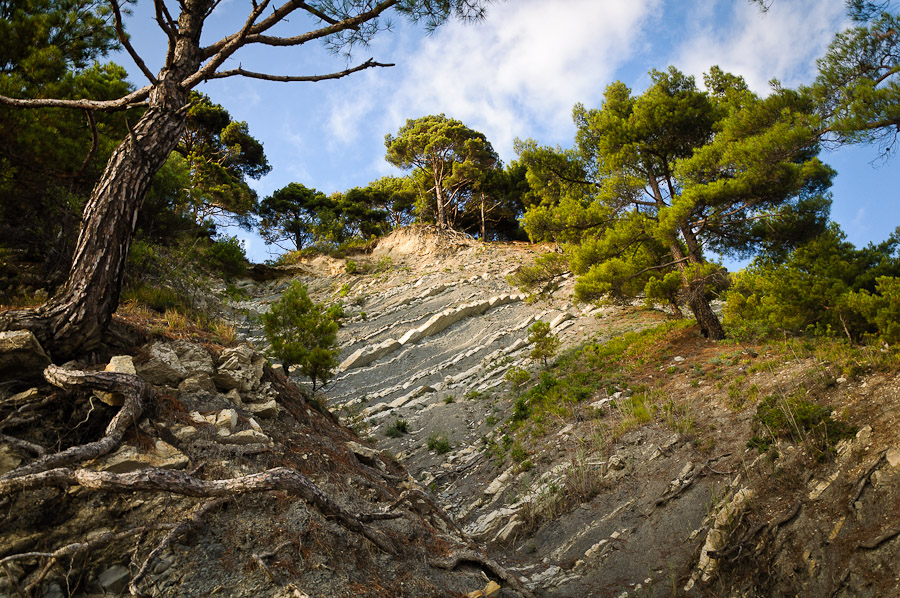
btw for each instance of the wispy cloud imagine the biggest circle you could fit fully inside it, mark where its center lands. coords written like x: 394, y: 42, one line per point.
x: 782, y: 43
x: 530, y: 61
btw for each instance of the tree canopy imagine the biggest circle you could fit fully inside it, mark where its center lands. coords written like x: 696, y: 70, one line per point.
x: 656, y: 179
x: 448, y: 158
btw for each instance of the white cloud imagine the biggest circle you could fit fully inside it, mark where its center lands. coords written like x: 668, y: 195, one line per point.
x: 782, y: 43
x: 529, y: 61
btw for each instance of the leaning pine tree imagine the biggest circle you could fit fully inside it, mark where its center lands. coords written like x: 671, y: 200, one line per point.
x: 75, y: 318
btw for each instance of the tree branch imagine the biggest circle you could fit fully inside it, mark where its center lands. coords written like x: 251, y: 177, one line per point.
x: 255, y: 32
x: 300, y: 78
x: 120, y: 33
x: 132, y: 100
x: 167, y: 24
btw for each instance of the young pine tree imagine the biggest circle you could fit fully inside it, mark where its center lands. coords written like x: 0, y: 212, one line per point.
x: 302, y: 333
x: 544, y: 343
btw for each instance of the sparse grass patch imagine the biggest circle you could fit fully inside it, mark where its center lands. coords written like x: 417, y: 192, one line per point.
x: 796, y: 418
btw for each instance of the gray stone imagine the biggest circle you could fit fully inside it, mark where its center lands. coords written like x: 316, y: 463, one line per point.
x: 240, y: 368
x: 163, y: 367
x: 21, y: 355
x: 194, y: 358
x: 197, y: 383
x: 267, y: 409
x: 245, y: 437
x: 115, y: 579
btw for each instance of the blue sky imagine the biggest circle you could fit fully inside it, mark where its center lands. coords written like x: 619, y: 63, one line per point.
x: 518, y: 74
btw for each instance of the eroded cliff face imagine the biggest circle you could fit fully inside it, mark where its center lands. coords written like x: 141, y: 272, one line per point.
x: 622, y: 470
x: 599, y: 498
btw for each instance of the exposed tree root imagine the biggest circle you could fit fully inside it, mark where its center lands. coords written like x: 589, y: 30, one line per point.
x: 468, y: 555
x: 863, y: 479
x: 132, y: 387
x: 412, y: 495
x: 178, y: 530
x: 74, y: 549
x: 259, y: 558
x: 177, y: 482
x: 735, y: 550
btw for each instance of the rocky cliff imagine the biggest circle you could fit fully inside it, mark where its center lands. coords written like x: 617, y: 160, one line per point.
x: 622, y: 469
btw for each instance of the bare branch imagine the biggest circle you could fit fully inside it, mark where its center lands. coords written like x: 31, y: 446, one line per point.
x: 132, y: 100
x: 255, y: 32
x: 235, y: 42
x: 120, y: 33
x: 300, y: 78
x: 167, y: 24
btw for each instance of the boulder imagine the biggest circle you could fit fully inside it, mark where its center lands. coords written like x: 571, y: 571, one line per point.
x: 197, y: 383
x: 194, y: 358
x: 240, y: 368
x: 267, y: 409
x: 164, y: 367
x: 21, y: 355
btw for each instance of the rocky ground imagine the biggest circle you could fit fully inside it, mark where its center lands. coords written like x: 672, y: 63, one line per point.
x: 593, y: 499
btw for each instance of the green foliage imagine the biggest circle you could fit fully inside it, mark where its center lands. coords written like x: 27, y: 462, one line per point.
x: 350, y: 267
x: 220, y: 154
x: 518, y: 377
x: 657, y: 177
x: 226, y: 257
x: 302, y: 334
x: 542, y: 274
x: 449, y: 160
x: 438, y: 443
x: 397, y: 429
x: 544, y: 343
x: 858, y: 89
x: 825, y: 286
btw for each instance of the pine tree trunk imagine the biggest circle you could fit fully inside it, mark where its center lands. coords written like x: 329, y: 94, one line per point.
x: 73, y: 321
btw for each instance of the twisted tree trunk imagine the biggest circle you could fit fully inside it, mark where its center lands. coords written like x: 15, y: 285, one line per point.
x: 74, y: 319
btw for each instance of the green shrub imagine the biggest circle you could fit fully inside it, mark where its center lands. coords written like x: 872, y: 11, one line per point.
x: 826, y: 286
x: 302, y: 334
x: 226, y: 257
x: 397, y: 429
x: 350, y: 268
x: 798, y: 419
x: 438, y: 443
x: 544, y: 343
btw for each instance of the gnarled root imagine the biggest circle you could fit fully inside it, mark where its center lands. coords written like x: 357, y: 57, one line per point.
x: 469, y: 555
x: 132, y: 387
x: 178, y: 482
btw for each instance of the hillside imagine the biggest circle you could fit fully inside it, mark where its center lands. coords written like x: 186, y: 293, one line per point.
x: 620, y: 469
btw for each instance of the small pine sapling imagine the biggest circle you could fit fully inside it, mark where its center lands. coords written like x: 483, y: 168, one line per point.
x: 544, y: 343
x: 303, y: 333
